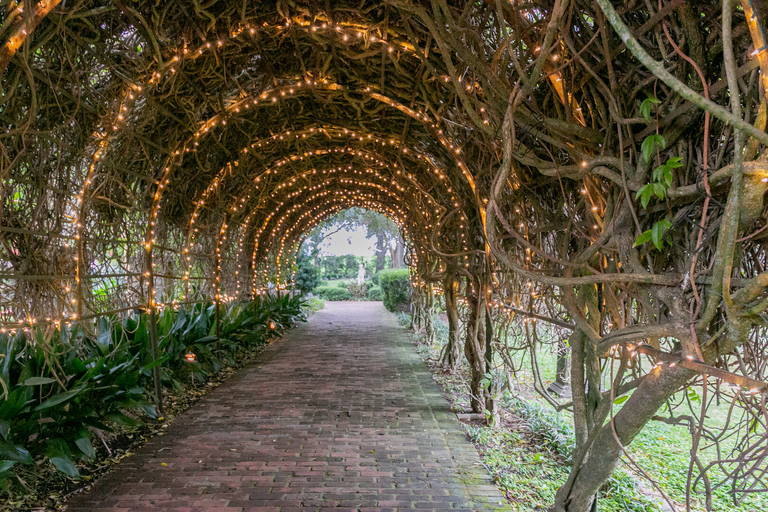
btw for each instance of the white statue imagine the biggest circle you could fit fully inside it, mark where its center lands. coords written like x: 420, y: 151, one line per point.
x: 361, y: 275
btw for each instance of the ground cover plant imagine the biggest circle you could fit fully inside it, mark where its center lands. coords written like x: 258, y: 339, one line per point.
x: 530, y: 451
x: 65, y: 389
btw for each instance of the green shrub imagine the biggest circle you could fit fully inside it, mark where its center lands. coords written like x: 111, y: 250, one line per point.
x: 395, y: 288
x: 79, y: 381
x: 358, y: 292
x: 307, y: 277
x: 331, y: 293
x: 375, y: 293
x: 313, y: 305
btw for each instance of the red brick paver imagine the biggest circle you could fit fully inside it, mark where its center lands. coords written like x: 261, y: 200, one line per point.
x: 339, y: 415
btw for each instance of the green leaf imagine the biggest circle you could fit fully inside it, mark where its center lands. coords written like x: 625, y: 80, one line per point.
x: 657, y: 233
x: 645, y: 237
x: 660, y: 190
x: 59, y: 398
x: 667, y: 177
x: 66, y: 466
x: 621, y: 400
x: 645, y: 106
x: 85, y: 446
x: 122, y: 419
x: 5, y: 465
x: 650, y: 143
x: 645, y: 193
x: 674, y: 162
x: 38, y: 381
x: 15, y: 452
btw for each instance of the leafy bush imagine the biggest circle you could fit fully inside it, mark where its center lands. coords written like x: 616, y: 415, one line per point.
x: 331, y: 293
x: 395, y: 288
x: 307, y: 277
x: 313, y: 305
x: 374, y: 293
x: 358, y: 291
x: 57, y: 387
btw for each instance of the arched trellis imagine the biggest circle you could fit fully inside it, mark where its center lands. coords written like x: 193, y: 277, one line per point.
x: 543, y: 104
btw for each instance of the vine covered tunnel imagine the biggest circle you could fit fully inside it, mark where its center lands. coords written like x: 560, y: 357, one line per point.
x: 592, y: 172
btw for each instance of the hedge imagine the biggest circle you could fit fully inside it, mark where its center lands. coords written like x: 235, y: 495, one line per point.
x: 332, y: 293
x: 395, y: 288
x: 375, y: 293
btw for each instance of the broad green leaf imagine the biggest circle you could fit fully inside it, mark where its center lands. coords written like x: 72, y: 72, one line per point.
x: 621, y: 400
x: 122, y: 419
x: 59, y: 398
x: 15, y: 452
x: 66, y: 466
x: 649, y: 145
x: 645, y: 237
x: 85, y: 446
x: 38, y: 381
x: 660, y: 190
x: 5, y: 465
x: 674, y: 162
x: 657, y: 233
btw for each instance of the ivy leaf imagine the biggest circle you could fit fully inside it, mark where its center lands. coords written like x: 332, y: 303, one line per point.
x: 674, y: 162
x: 645, y: 193
x: 650, y: 143
x: 645, y: 237
x: 667, y: 176
x: 645, y: 106
x: 657, y: 233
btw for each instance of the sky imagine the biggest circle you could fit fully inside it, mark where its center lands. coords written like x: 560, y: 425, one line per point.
x: 348, y: 242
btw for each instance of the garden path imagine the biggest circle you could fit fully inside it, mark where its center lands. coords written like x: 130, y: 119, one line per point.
x: 340, y: 414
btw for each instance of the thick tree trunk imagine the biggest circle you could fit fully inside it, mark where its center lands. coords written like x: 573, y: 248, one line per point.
x: 596, y: 459
x: 452, y: 352
x: 475, y: 351
x: 381, y: 252
x: 397, y: 254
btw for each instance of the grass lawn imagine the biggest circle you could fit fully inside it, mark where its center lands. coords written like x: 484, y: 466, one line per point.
x: 529, y: 456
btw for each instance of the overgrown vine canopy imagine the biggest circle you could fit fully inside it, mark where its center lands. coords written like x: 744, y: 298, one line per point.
x: 596, y: 167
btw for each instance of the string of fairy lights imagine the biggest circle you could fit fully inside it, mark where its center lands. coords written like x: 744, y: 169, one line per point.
x: 170, y: 68
x: 343, y: 197
x: 297, y: 157
x: 326, y: 191
x: 270, y: 96
x: 348, y: 32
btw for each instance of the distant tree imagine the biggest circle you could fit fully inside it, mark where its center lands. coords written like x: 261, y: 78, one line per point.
x: 388, y: 243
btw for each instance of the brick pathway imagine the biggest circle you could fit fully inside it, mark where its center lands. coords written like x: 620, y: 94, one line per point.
x: 339, y: 415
